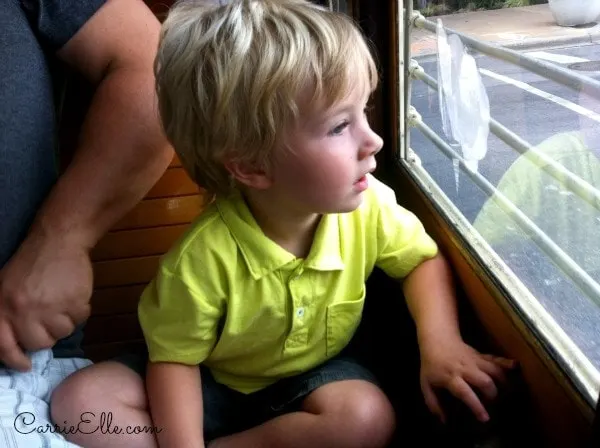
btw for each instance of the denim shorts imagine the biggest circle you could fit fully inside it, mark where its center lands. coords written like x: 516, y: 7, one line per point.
x: 227, y: 411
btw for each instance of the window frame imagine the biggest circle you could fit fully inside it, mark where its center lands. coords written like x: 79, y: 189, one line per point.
x: 565, y: 415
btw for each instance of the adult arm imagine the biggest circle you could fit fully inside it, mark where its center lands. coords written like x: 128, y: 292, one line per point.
x: 46, y: 286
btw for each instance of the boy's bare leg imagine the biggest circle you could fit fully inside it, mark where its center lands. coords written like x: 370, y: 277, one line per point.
x: 100, y: 392
x: 344, y: 414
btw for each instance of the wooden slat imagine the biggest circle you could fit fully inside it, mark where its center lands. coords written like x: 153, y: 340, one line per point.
x: 162, y: 212
x: 117, y: 300
x: 137, y: 243
x: 124, y: 272
x: 174, y: 182
x: 109, y: 329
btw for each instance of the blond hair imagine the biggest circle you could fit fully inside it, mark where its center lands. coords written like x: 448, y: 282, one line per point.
x: 229, y: 77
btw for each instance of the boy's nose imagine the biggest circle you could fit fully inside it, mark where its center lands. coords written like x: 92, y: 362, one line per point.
x: 371, y: 145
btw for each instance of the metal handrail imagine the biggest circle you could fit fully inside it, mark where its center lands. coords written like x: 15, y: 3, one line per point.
x: 571, y: 268
x: 573, y: 182
x: 561, y: 75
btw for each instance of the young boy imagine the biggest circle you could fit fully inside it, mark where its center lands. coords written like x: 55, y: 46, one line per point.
x: 264, y: 103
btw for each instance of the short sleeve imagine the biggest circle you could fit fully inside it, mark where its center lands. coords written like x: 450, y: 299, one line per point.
x: 402, y: 242
x: 55, y: 22
x: 180, y: 324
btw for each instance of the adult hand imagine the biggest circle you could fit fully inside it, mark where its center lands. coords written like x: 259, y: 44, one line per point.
x: 45, y: 291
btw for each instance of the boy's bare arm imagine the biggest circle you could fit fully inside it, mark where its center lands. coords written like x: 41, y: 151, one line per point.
x: 175, y: 399
x: 446, y: 361
x: 429, y: 290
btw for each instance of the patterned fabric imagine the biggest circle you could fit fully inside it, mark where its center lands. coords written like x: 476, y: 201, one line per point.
x: 25, y: 402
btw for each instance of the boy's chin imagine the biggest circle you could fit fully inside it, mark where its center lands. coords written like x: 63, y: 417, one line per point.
x: 349, y: 206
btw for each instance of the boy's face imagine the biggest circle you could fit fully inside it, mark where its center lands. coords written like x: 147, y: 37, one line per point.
x: 326, y: 156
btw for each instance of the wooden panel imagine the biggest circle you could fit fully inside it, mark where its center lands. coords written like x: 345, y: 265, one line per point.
x: 115, y: 328
x: 162, y: 212
x: 125, y: 272
x: 174, y: 182
x: 117, y: 300
x: 137, y: 243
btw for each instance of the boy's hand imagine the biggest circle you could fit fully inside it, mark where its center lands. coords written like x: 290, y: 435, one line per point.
x: 457, y: 367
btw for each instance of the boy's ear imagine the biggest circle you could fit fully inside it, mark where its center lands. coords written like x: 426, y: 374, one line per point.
x: 248, y: 174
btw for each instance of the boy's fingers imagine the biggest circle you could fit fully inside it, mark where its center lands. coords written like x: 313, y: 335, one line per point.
x: 493, y: 370
x: 461, y: 390
x: 483, y: 382
x: 502, y: 362
x: 432, y: 402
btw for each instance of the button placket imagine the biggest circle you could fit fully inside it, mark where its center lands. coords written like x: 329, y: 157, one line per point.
x: 298, y: 333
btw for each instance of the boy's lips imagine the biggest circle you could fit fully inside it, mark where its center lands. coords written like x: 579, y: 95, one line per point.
x: 363, y: 178
x: 362, y: 184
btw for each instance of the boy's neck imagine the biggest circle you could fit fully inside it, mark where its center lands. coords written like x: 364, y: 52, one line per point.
x: 293, y: 230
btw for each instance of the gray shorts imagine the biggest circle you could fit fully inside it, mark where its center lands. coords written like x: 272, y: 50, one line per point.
x: 227, y: 411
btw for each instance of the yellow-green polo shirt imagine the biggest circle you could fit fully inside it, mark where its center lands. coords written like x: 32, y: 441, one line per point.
x: 229, y: 297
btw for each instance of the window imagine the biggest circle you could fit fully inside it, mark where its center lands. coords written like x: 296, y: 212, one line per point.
x: 510, y: 151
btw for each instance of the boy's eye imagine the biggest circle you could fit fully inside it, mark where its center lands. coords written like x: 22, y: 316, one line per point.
x: 339, y: 128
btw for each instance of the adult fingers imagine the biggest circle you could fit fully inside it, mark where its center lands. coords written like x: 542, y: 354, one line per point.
x: 59, y: 326
x: 32, y: 334
x: 79, y: 312
x: 10, y: 352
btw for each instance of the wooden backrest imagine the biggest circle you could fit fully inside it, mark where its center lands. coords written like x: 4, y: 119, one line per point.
x: 127, y: 257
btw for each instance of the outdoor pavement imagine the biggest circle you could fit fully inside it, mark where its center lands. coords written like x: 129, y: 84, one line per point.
x: 523, y: 28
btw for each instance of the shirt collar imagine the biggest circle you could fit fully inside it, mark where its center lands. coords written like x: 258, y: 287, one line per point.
x: 262, y: 255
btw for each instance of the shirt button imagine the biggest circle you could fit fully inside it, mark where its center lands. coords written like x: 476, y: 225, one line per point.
x: 300, y: 312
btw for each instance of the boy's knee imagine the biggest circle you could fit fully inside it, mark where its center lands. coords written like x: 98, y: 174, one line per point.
x: 104, y: 387
x: 361, y: 415
x: 370, y: 421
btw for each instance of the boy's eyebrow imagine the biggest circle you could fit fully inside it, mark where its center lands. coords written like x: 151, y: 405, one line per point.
x: 345, y: 108
x: 318, y: 116
x: 317, y: 120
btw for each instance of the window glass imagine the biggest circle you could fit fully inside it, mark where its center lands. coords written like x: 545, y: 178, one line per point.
x: 551, y: 243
